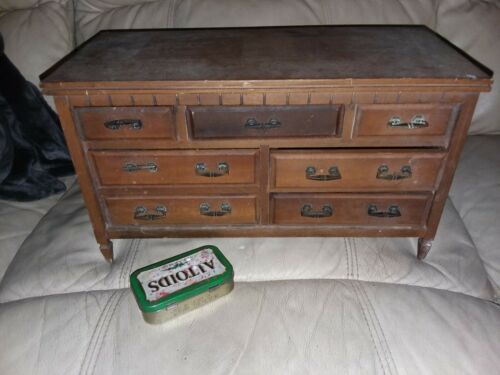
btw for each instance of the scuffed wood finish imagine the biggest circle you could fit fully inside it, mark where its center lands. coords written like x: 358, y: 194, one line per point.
x: 334, y: 92
x: 270, y: 230
x: 264, y: 121
x: 182, y: 210
x: 357, y: 170
x: 84, y: 176
x: 107, y: 251
x: 457, y: 141
x: 153, y: 122
x: 266, y: 53
x: 350, y: 209
x: 424, y: 246
x: 176, y: 167
x: 372, y: 121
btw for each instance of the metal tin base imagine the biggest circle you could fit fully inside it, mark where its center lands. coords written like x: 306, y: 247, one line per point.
x: 187, y: 305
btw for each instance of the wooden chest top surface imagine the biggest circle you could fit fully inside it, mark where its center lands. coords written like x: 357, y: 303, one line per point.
x: 267, y: 53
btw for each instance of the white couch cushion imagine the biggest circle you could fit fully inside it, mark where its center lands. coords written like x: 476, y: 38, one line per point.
x: 281, y: 327
x: 25, y: 4
x: 476, y: 194
x: 95, y: 15
x: 36, y: 37
x: 16, y: 223
x: 224, y: 13
x: 17, y: 220
x: 61, y: 256
x: 473, y: 26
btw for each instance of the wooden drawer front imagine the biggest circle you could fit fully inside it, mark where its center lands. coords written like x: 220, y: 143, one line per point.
x: 208, y: 122
x: 351, y: 209
x: 171, y: 210
x: 99, y: 123
x: 405, y: 120
x: 356, y: 170
x: 176, y: 167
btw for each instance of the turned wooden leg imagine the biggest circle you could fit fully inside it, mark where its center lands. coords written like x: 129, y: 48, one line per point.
x: 107, y: 251
x: 424, y: 246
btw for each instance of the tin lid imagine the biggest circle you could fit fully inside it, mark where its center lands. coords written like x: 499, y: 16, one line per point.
x: 178, y: 278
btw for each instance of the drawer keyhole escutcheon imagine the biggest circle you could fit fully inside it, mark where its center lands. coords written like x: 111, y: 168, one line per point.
x: 307, y: 211
x: 392, y: 211
x: 416, y: 122
x: 141, y: 213
x: 222, y: 169
x: 133, y: 167
x: 383, y: 173
x: 225, y: 209
x: 253, y: 123
x: 333, y: 174
x: 117, y: 124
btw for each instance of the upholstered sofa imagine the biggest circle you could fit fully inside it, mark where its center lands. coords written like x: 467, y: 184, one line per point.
x: 299, y: 306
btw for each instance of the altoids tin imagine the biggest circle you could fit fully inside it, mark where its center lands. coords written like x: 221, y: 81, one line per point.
x: 179, y: 284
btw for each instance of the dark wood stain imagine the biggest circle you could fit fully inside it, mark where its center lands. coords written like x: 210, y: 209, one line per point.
x: 267, y: 53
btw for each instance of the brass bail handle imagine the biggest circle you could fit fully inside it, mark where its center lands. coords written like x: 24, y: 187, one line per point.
x: 416, y: 122
x: 133, y: 167
x: 333, y: 174
x: 307, y: 211
x: 202, y: 170
x: 384, y: 174
x: 225, y: 209
x: 392, y: 211
x: 142, y: 213
x: 134, y: 124
x: 253, y: 123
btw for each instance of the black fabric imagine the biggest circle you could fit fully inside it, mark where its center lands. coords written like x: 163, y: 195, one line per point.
x: 33, y: 152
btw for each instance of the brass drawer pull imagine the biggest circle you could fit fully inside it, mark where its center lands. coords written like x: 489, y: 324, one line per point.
x: 117, y: 124
x: 141, y: 213
x: 307, y: 211
x: 222, y: 169
x: 132, y: 167
x: 417, y: 122
x: 383, y: 173
x: 252, y: 123
x: 225, y: 209
x: 392, y: 211
x: 333, y: 174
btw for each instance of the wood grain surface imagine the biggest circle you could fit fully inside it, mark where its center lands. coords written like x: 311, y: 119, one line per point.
x: 351, y: 209
x: 266, y: 53
x: 358, y: 170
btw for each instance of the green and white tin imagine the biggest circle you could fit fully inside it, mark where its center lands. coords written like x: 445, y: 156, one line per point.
x: 179, y: 284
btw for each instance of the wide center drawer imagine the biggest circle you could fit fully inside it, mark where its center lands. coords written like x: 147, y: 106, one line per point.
x: 208, y: 122
x: 176, y: 167
x: 361, y: 170
x: 171, y: 210
x: 381, y: 210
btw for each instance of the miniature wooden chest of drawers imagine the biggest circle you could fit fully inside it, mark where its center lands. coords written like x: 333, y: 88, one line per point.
x: 286, y: 131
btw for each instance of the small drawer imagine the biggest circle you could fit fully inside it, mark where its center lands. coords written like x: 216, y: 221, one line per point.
x: 207, y: 122
x: 385, y: 210
x: 100, y: 123
x: 176, y: 167
x: 406, y: 121
x: 358, y: 170
x: 174, y: 210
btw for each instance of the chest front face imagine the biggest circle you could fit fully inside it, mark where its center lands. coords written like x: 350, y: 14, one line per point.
x: 294, y: 131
